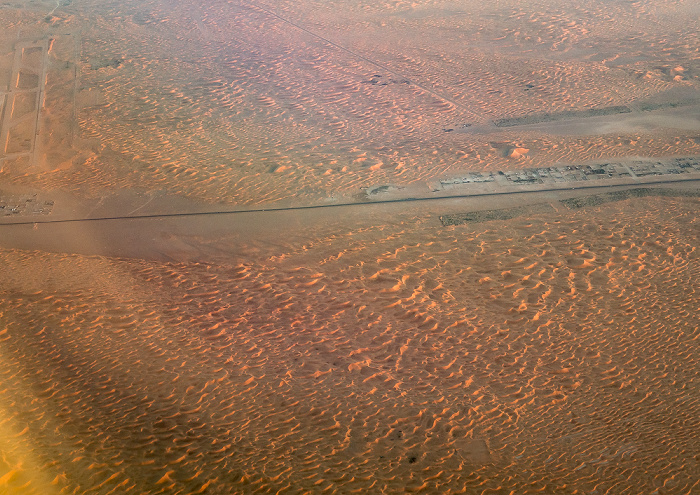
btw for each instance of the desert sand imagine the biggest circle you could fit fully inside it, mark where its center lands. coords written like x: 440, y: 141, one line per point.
x: 382, y: 352
x: 298, y: 102
x: 534, y: 342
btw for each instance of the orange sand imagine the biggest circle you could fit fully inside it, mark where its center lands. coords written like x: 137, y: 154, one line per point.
x: 548, y: 354
x: 354, y: 350
x: 298, y: 102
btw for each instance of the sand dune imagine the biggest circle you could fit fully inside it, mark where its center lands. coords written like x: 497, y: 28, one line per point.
x: 336, y: 97
x: 532, y: 354
x: 525, y: 348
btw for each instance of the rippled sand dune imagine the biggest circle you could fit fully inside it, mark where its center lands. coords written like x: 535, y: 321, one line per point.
x: 298, y: 102
x: 358, y: 349
x: 555, y: 354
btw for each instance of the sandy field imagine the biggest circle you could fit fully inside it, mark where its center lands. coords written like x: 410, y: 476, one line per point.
x: 250, y: 103
x: 524, y: 343
x: 377, y: 352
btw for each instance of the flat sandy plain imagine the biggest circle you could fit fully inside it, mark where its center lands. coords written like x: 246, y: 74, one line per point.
x: 358, y: 348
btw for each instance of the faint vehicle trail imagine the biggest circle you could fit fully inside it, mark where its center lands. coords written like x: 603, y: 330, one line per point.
x: 150, y: 199
x: 58, y: 4
x: 386, y: 68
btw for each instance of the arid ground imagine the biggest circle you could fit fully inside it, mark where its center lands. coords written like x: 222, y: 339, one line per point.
x: 539, y: 342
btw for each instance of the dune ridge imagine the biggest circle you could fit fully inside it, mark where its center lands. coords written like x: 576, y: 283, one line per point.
x: 385, y: 349
x: 337, y: 98
x: 529, y: 354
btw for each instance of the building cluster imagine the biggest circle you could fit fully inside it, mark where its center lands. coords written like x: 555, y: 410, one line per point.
x: 577, y: 173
